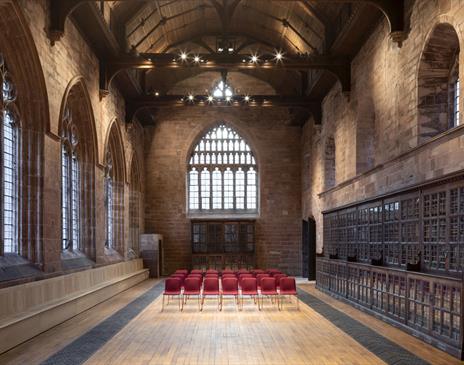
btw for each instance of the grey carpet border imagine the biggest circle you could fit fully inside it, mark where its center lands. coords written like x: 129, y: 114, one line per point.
x: 382, y: 347
x: 82, y: 348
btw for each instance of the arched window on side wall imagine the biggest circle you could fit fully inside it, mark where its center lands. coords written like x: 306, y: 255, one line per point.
x: 70, y: 185
x: 438, y: 83
x: 9, y: 165
x: 135, y: 200
x: 222, y: 174
x: 114, y: 191
x: 78, y: 158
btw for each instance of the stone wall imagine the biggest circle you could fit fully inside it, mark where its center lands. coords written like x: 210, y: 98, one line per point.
x: 276, y: 145
x: 378, y: 144
x: 71, y: 58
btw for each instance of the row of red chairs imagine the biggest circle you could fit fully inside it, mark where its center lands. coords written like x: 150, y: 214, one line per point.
x: 200, y: 287
x: 254, y: 272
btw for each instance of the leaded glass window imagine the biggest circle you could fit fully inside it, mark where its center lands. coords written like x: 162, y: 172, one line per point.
x: 70, y: 185
x: 222, y: 174
x: 109, y: 202
x: 9, y: 166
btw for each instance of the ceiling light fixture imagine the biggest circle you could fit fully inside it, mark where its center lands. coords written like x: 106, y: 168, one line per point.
x: 228, y: 98
x: 278, y: 56
x: 196, y: 59
x: 210, y: 99
x: 190, y: 97
x: 157, y: 93
x: 247, y: 98
x: 183, y: 56
x: 254, y: 58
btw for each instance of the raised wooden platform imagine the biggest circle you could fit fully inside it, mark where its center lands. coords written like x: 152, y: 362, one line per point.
x: 29, y: 309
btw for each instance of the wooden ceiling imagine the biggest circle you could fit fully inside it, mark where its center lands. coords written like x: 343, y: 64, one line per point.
x: 294, y: 27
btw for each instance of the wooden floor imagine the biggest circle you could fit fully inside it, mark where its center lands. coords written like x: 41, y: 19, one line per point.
x: 227, y: 337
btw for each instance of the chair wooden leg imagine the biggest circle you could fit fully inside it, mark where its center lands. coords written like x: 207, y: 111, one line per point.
x: 162, y: 304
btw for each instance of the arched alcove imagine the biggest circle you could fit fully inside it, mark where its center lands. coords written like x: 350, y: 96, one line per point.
x: 78, y: 158
x: 115, y: 173
x: 438, y: 83
x: 21, y: 66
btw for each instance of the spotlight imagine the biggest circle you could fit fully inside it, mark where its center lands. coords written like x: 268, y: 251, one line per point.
x: 278, y: 56
x: 244, y: 60
x: 210, y: 99
x: 190, y: 97
x: 196, y: 59
x: 228, y: 98
x: 157, y: 93
x: 230, y: 49
x: 220, y: 49
x: 247, y: 98
x: 183, y: 56
x: 254, y: 58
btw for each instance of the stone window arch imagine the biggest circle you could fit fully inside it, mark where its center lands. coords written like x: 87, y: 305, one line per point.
x: 78, y: 160
x: 222, y: 174
x: 438, y: 83
x: 114, y: 190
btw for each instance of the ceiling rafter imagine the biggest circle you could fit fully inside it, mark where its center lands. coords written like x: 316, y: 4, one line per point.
x: 256, y: 101
x: 393, y: 10
x: 163, y: 20
x: 285, y: 23
x: 339, y: 66
x: 258, y: 40
x: 144, y: 20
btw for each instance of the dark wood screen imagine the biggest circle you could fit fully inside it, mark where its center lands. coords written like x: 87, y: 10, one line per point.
x: 402, y: 257
x: 220, y: 244
x: 426, y: 225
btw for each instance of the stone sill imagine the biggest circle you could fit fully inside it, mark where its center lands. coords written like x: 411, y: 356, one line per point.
x: 449, y: 134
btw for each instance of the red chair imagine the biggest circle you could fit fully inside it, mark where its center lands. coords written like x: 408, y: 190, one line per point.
x: 230, y: 287
x: 243, y: 276
x: 249, y: 287
x: 268, y: 289
x: 181, y: 277
x: 211, y: 275
x: 182, y: 271
x: 196, y: 271
x: 192, y: 286
x: 227, y: 271
x: 172, y: 288
x: 277, y: 278
x: 259, y: 277
x: 211, y: 288
x: 274, y: 272
x: 243, y: 271
x: 288, y: 287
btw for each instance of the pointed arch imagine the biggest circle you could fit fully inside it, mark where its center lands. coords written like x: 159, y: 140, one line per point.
x: 115, y: 177
x: 19, y: 55
x: 222, y: 174
x: 79, y: 152
x: 438, y: 87
x: 114, y: 143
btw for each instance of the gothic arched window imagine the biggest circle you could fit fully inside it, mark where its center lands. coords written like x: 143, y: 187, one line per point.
x: 70, y: 185
x: 110, y: 202
x: 9, y: 166
x: 222, y: 174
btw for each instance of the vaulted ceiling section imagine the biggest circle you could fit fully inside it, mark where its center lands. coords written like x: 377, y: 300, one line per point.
x: 139, y: 43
